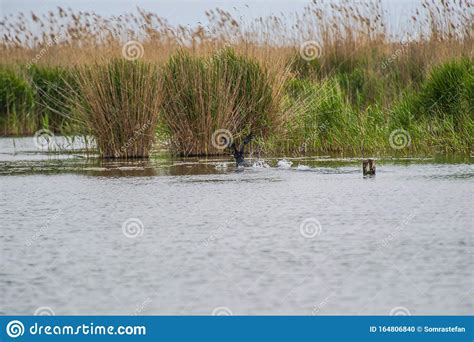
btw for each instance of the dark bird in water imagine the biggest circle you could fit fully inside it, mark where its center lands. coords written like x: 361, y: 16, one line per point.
x: 239, y: 153
x: 368, y: 167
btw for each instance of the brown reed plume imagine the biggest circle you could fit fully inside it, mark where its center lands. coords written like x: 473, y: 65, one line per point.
x: 346, y: 31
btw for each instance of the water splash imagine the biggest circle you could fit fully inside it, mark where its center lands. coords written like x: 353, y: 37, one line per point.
x: 303, y: 167
x: 284, y: 164
x: 260, y: 164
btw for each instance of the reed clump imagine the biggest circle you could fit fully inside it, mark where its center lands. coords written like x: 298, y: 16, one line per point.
x: 224, y: 92
x: 118, y: 103
x: 441, y: 114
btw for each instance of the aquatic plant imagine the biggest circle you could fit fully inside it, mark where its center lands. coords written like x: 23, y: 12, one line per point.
x: 16, y: 104
x: 49, y: 84
x: 324, y: 119
x: 202, y: 95
x: 448, y: 90
x: 441, y: 113
x: 356, y: 84
x: 118, y: 102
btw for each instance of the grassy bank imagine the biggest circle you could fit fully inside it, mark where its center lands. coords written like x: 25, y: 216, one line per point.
x: 340, y: 81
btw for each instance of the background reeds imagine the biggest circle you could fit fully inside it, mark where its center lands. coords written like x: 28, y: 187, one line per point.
x: 365, y: 80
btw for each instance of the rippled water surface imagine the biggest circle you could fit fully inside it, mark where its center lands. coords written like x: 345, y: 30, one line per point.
x: 188, y: 236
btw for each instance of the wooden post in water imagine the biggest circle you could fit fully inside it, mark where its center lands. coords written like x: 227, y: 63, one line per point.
x: 368, y: 167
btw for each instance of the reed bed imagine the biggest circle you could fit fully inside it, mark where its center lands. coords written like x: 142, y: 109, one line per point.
x: 338, y: 77
x: 224, y: 92
x: 118, y: 102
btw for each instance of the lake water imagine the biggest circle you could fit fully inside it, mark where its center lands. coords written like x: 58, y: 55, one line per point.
x: 190, y: 236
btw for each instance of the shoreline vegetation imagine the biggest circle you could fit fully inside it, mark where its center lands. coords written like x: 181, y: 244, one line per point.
x: 334, y: 79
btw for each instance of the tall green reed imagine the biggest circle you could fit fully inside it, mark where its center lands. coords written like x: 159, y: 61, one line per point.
x: 224, y: 92
x: 118, y: 103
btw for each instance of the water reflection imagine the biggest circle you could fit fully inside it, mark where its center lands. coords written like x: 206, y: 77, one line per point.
x: 21, y: 156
